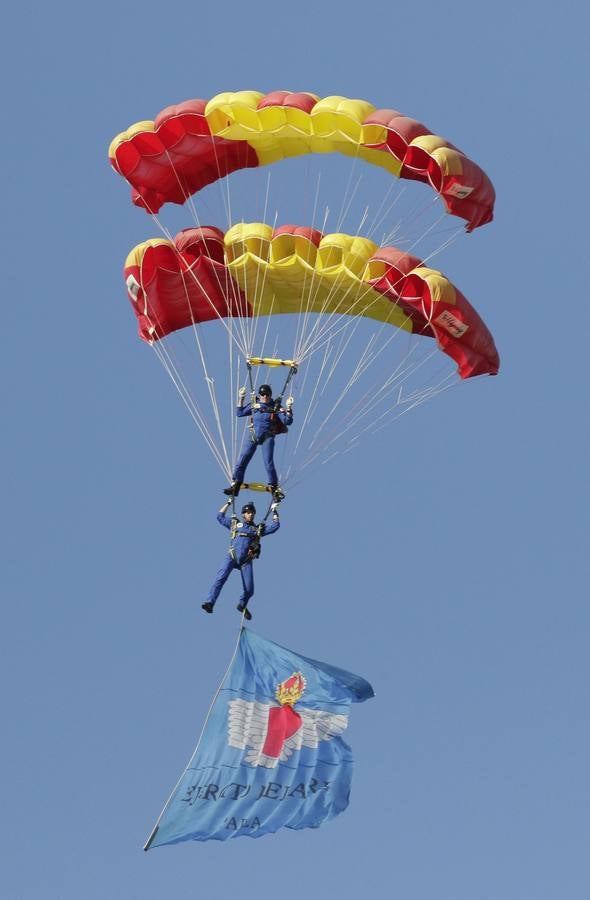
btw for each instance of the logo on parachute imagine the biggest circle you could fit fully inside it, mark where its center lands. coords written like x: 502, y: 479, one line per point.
x: 271, y: 733
x: 451, y: 324
x: 460, y: 191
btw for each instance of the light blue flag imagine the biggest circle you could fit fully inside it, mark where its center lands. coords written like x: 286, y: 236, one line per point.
x: 271, y: 754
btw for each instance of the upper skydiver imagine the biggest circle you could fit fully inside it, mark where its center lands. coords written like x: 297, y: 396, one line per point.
x: 268, y: 418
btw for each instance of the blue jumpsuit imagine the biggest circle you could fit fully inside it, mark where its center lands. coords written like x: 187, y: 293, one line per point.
x: 237, y: 558
x: 266, y: 425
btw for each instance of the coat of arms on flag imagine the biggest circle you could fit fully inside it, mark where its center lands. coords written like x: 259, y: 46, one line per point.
x: 273, y: 732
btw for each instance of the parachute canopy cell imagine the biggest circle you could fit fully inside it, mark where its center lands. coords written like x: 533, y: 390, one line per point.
x: 197, y: 142
x: 255, y: 270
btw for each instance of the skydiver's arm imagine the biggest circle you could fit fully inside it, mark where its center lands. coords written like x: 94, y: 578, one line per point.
x: 221, y: 516
x: 286, y: 413
x: 244, y: 410
x: 286, y: 416
x: 274, y: 526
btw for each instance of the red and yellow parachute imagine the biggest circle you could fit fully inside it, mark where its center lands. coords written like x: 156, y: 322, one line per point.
x: 336, y: 308
x: 255, y: 270
x: 194, y: 143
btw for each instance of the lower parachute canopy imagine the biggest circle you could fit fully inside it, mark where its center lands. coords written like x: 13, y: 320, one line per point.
x: 254, y: 270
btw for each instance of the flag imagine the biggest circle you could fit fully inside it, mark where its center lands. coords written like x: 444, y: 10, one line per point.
x: 271, y: 754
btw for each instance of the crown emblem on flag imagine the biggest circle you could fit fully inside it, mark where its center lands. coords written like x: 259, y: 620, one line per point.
x: 291, y: 690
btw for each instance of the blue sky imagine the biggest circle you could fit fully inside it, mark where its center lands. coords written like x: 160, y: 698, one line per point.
x: 446, y: 562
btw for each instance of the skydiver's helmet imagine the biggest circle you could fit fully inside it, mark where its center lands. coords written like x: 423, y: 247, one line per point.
x: 248, y: 507
x: 266, y: 390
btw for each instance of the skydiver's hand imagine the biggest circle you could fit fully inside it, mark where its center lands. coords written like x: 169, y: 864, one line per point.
x: 274, y: 506
x: 256, y: 406
x: 275, y: 516
x: 289, y: 404
x: 241, y: 395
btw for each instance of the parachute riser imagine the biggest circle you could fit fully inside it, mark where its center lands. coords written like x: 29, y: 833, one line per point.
x: 273, y: 363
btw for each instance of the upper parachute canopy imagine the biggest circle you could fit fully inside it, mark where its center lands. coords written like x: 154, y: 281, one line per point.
x: 253, y: 270
x: 195, y: 143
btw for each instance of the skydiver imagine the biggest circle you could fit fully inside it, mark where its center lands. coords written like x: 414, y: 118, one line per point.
x: 269, y: 418
x: 244, y: 548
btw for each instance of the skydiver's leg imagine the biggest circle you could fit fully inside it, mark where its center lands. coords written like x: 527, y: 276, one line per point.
x: 268, y: 449
x: 220, y: 580
x: 242, y: 464
x: 247, y: 573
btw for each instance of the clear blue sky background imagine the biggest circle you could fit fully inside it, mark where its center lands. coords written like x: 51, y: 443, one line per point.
x: 448, y: 563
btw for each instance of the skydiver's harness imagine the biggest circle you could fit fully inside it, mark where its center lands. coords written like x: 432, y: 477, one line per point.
x: 255, y: 547
x: 277, y: 427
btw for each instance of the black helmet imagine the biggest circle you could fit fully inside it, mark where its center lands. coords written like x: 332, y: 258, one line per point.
x: 249, y: 507
x: 265, y: 389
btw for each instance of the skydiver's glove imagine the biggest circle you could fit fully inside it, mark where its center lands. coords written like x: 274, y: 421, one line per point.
x: 274, y: 506
x: 289, y: 404
x: 241, y: 395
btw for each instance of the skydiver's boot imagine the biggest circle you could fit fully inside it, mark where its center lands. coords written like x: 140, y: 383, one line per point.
x: 207, y: 606
x: 277, y: 493
x: 234, y: 489
x: 241, y: 607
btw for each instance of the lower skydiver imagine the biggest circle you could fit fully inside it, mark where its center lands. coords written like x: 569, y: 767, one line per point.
x: 244, y: 548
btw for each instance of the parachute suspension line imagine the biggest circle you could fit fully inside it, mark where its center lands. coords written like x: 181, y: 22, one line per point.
x: 322, y: 323
x: 350, y: 191
x: 190, y: 403
x: 359, y: 411
x: 384, y: 211
x: 413, y: 218
x: 351, y: 380
x: 234, y: 362
x: 337, y: 355
x: 259, y: 288
x: 310, y: 293
x: 200, y: 738
x: 425, y: 233
x: 310, y: 405
x: 301, y: 340
x: 324, y: 326
x: 234, y: 293
x: 192, y: 274
x: 210, y: 382
x: 189, y: 200
x: 414, y: 401
x: 333, y: 322
x: 304, y: 313
x: 223, y: 184
x: 346, y: 209
x: 377, y: 393
x: 267, y: 326
x: 348, y: 197
x: 362, y: 409
x: 171, y: 368
x: 446, y: 243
